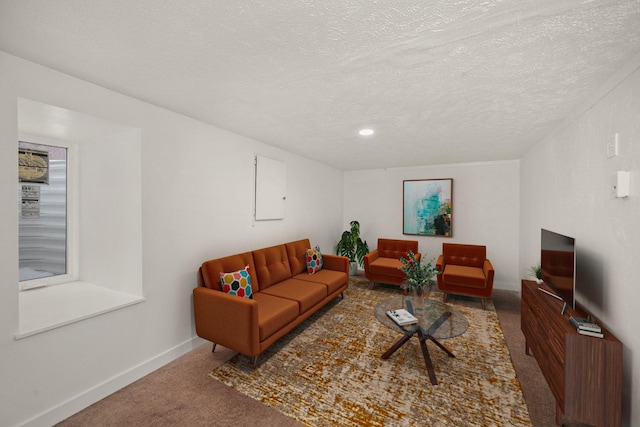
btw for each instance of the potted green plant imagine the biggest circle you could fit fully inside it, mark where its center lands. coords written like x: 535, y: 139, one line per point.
x: 536, y: 272
x: 419, y: 274
x: 353, y: 247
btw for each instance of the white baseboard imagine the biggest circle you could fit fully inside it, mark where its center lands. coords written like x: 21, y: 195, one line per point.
x: 88, y: 397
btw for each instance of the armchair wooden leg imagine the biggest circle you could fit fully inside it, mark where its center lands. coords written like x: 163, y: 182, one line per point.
x: 255, y: 362
x: 484, y: 306
x: 214, y: 347
x: 445, y: 297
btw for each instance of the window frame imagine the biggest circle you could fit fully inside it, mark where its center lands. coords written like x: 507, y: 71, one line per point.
x: 72, y: 225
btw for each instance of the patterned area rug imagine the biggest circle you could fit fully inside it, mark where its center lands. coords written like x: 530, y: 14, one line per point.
x: 328, y: 370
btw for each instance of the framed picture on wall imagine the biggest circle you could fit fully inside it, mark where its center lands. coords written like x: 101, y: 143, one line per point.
x: 428, y: 207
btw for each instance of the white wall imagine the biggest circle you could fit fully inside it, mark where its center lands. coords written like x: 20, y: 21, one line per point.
x: 110, y: 209
x: 197, y: 183
x: 485, y: 210
x: 565, y: 187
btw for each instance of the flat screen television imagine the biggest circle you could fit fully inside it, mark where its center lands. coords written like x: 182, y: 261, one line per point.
x: 558, y: 263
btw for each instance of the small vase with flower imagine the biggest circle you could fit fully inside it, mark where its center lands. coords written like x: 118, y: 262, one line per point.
x: 419, y: 279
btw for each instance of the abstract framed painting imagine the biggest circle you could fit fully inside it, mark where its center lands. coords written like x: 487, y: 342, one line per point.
x: 427, y: 207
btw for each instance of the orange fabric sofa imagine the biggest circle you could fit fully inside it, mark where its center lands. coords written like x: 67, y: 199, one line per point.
x: 382, y: 264
x: 284, y: 295
x: 465, y: 270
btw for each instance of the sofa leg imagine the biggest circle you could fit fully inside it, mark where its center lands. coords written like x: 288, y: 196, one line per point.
x: 445, y: 297
x: 255, y: 362
x: 484, y: 307
x: 342, y: 295
x: 214, y: 347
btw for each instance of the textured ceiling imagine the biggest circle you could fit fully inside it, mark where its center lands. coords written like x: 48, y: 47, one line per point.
x: 443, y: 81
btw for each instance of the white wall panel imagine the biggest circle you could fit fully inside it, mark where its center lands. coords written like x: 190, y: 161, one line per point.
x: 271, y: 188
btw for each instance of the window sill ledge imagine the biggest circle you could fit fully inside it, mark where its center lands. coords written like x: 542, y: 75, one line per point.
x: 51, y: 307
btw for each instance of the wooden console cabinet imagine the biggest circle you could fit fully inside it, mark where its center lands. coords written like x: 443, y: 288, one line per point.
x: 583, y: 372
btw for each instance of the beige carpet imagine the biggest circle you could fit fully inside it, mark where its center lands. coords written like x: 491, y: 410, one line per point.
x: 329, y: 371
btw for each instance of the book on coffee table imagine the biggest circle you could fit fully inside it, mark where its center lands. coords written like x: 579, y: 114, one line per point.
x: 402, y: 317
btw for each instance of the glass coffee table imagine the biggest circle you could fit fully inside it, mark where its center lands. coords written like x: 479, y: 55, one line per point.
x: 436, y: 320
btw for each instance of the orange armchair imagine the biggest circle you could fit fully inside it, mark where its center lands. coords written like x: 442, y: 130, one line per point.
x: 465, y: 270
x: 381, y: 265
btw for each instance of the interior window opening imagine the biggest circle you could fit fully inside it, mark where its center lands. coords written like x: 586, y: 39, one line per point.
x: 42, y: 216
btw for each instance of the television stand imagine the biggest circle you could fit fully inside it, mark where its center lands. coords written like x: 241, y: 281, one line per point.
x: 584, y: 373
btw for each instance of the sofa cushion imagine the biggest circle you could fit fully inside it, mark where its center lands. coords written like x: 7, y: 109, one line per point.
x: 332, y: 279
x: 237, y: 283
x: 271, y: 265
x: 297, y: 253
x: 314, y: 260
x: 396, y: 248
x: 386, y: 266
x: 464, y: 276
x: 274, y: 313
x: 210, y: 270
x: 467, y: 255
x: 305, y: 293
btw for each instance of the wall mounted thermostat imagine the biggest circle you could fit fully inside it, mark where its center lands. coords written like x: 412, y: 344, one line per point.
x: 620, y: 184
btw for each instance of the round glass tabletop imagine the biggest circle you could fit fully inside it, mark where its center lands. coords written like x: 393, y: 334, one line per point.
x: 455, y: 325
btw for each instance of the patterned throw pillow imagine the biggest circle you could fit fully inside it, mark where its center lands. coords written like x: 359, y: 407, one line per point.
x: 237, y: 283
x: 314, y: 260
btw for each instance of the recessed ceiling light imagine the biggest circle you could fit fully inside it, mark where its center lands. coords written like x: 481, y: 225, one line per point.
x: 366, y: 132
